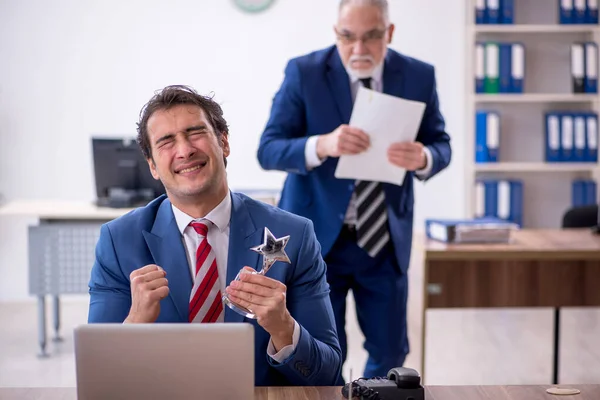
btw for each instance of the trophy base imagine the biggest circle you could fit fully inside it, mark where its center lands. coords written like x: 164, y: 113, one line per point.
x: 239, y: 309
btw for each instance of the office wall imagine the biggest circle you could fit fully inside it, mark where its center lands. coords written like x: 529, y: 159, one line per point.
x: 72, y: 69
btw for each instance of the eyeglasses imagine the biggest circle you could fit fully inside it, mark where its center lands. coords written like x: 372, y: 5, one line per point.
x: 371, y: 37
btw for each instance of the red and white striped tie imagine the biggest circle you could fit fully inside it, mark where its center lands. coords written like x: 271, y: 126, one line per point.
x: 205, y: 299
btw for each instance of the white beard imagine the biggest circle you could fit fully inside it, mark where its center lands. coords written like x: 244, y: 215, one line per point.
x: 360, y: 73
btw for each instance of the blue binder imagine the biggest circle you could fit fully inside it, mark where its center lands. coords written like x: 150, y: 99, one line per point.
x: 567, y: 137
x: 480, y: 11
x: 591, y: 67
x: 591, y: 191
x: 487, y: 136
x: 579, y: 11
x: 492, y: 11
x: 565, y: 11
x: 505, y: 74
x: 516, y: 202
x: 517, y: 67
x: 591, y: 143
x: 591, y: 12
x: 553, y: 137
x: 507, y: 11
x: 480, y: 67
x: 579, y: 137
x: 578, y: 195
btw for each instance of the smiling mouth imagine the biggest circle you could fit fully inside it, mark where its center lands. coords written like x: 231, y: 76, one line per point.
x: 191, y: 169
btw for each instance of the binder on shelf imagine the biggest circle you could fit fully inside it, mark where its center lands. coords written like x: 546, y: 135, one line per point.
x: 577, y: 68
x: 579, y: 11
x: 507, y: 11
x: 492, y: 15
x: 579, y: 152
x: 502, y: 199
x: 517, y: 68
x: 591, y: 67
x: 552, y: 137
x: 591, y: 144
x: 480, y: 12
x: 492, y: 80
x: 479, y: 67
x: 487, y: 138
x: 477, y: 230
x: 504, y: 71
x: 479, y: 200
x: 565, y: 12
x: 566, y: 138
x: 591, y: 12
x: 583, y: 193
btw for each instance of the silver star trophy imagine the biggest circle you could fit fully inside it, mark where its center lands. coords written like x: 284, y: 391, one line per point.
x: 272, y: 250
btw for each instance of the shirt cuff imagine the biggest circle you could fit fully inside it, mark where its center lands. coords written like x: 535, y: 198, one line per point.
x: 310, y: 153
x: 287, y: 350
x: 424, y: 173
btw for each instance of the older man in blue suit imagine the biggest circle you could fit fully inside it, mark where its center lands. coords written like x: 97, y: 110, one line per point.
x: 171, y: 261
x: 365, y: 228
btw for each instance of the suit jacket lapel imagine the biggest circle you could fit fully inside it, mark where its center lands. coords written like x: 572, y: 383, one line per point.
x: 393, y: 82
x: 168, y: 251
x: 243, y: 234
x: 339, y: 85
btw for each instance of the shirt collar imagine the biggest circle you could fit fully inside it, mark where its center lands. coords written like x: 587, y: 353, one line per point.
x: 219, y: 216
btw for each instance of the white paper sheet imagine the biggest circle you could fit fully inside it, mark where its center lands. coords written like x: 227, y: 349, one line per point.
x: 386, y: 119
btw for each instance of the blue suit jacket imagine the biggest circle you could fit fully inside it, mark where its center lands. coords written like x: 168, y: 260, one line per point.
x: 149, y: 235
x: 314, y: 99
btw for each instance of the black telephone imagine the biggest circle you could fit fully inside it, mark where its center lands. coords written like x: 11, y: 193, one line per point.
x: 401, y: 384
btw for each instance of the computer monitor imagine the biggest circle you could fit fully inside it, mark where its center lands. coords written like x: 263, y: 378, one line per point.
x: 123, y: 178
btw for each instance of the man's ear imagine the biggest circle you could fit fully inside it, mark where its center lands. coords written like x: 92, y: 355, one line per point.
x: 390, y: 33
x: 225, y: 144
x: 152, y: 166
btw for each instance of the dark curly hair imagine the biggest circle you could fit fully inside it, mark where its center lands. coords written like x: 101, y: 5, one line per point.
x: 170, y: 97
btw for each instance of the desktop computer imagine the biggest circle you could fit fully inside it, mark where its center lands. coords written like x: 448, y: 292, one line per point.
x: 123, y: 179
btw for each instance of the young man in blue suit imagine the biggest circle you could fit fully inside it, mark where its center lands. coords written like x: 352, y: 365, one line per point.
x: 365, y: 228
x: 172, y: 260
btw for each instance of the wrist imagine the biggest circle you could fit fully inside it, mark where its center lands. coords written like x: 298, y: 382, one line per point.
x: 284, y: 336
x: 321, y: 147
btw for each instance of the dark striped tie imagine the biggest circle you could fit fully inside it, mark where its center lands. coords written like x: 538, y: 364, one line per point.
x: 372, y: 232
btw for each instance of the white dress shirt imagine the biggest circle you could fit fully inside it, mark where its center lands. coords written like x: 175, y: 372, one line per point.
x: 218, y: 238
x: 310, y: 150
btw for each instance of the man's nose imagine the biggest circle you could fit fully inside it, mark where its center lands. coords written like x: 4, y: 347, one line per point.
x: 359, y: 47
x: 185, y: 149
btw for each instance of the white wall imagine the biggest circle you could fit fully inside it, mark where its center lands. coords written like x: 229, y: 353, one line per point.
x: 72, y: 69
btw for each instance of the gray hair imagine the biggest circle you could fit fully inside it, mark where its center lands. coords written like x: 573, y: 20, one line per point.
x: 381, y: 4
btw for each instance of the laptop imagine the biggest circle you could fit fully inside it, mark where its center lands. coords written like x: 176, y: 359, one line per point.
x: 165, y: 361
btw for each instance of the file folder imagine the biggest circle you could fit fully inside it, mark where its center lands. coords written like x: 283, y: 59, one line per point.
x: 578, y: 193
x: 579, y: 11
x: 487, y: 137
x: 591, y: 191
x: 591, y: 67
x: 493, y: 11
x: 553, y: 137
x: 477, y: 230
x: 565, y: 12
x: 505, y: 79
x: 577, y: 68
x: 591, y: 14
x: 479, y: 67
x: 507, y: 11
x: 492, y: 80
x: 579, y: 138
x: 517, y: 67
x: 479, y: 199
x: 480, y: 12
x: 592, y: 138
x: 566, y: 142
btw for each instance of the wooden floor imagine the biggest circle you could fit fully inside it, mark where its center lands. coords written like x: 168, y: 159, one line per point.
x: 502, y: 346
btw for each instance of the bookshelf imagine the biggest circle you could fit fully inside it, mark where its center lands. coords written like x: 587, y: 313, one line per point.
x: 547, y: 86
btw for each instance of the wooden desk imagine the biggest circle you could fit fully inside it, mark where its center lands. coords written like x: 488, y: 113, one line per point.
x: 588, y: 392
x: 539, y: 268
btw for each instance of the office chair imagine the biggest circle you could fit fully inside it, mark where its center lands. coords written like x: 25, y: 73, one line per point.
x: 581, y: 217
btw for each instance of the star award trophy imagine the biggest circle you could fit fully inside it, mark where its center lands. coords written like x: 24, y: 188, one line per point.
x: 272, y: 250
